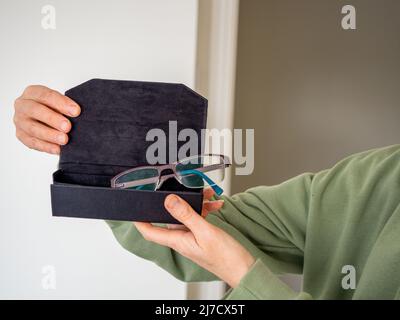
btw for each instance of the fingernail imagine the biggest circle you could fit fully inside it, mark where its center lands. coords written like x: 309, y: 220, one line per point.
x: 65, y: 126
x: 73, y: 111
x: 172, y: 201
x: 61, y: 139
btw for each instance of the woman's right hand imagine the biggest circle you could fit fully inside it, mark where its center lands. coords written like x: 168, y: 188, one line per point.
x: 40, y: 120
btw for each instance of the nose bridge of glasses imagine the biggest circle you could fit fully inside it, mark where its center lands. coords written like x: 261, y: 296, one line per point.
x: 165, y: 172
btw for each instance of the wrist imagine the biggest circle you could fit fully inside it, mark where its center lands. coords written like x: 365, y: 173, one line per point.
x: 242, y: 269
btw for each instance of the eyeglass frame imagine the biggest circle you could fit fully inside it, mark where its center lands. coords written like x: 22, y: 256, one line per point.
x: 162, y: 178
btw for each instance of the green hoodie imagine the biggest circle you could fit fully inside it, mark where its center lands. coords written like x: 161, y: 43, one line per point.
x: 340, y: 228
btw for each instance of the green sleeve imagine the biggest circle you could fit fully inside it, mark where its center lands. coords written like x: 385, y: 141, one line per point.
x: 270, y: 222
x: 180, y: 267
x: 261, y: 284
x: 348, y: 212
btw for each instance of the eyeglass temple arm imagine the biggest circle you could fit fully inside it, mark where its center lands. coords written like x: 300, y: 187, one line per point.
x: 218, y: 190
x: 136, y: 183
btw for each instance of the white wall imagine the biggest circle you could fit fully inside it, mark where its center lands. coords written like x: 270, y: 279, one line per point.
x: 120, y: 39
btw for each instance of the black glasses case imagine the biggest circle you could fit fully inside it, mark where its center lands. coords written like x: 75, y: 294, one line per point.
x: 110, y: 136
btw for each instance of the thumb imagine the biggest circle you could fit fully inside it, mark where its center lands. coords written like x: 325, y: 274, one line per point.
x: 183, y: 212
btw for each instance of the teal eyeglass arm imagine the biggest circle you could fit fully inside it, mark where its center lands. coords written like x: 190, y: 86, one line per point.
x: 218, y: 190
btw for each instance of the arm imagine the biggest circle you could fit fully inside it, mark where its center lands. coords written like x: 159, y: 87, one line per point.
x: 272, y: 226
x: 269, y: 222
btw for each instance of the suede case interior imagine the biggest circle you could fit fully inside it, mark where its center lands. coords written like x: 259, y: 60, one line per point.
x: 109, y: 137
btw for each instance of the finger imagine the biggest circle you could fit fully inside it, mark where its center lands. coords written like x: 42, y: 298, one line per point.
x: 211, y: 206
x: 53, y: 99
x: 208, y: 193
x: 48, y: 116
x: 41, y: 132
x: 159, y: 235
x: 36, y: 144
x: 184, y: 213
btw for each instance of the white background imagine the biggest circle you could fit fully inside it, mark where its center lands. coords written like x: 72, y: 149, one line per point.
x: 138, y: 40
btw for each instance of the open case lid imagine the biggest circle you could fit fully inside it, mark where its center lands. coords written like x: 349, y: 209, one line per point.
x: 110, y: 134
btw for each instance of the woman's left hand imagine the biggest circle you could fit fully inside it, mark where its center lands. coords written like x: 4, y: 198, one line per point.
x: 203, y: 243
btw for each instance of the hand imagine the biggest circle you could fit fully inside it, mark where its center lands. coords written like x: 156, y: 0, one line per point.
x: 202, y: 242
x: 208, y: 206
x: 39, y: 119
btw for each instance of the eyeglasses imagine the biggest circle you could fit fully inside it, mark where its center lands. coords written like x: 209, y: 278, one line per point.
x: 192, y: 172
